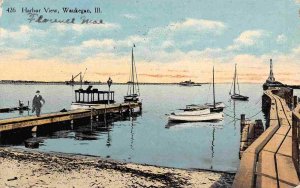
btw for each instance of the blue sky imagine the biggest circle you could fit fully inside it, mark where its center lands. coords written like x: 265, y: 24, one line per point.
x: 193, y: 35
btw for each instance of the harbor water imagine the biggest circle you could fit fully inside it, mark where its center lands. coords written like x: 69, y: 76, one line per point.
x: 148, y: 138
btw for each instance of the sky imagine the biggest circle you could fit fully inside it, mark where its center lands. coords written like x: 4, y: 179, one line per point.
x: 175, y: 40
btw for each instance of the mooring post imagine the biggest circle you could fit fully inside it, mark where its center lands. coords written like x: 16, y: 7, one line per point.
x: 243, y: 118
x: 105, y: 113
x: 140, y: 105
x: 243, y: 138
x: 295, y: 140
x: 120, y: 109
x: 92, y: 114
x: 295, y: 101
x: 34, y: 129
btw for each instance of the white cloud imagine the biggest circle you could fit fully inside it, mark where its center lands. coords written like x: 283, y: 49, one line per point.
x: 167, y: 44
x: 130, y: 16
x: 297, y: 1
x: 189, y: 25
x: 250, y: 37
x: 24, y: 32
x: 106, y: 43
x: 281, y: 39
x: 198, y: 25
x: 247, y: 38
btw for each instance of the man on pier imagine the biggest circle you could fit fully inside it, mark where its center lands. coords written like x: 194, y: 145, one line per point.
x: 37, y: 103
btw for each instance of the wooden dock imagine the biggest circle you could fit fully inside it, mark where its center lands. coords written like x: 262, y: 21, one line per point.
x: 270, y: 161
x: 50, y: 118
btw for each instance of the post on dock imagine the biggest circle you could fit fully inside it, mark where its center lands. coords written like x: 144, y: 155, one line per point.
x: 295, y: 101
x: 243, y: 118
x: 249, y: 132
x: 34, y: 129
x: 295, y: 141
x: 92, y: 114
x: 141, y: 108
x: 120, y: 109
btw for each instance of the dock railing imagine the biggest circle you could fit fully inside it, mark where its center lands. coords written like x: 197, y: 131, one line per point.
x: 296, y: 137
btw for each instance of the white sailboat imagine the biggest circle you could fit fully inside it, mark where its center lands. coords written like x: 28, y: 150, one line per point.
x: 195, y: 113
x: 133, y: 87
x: 235, y: 95
x: 215, y: 116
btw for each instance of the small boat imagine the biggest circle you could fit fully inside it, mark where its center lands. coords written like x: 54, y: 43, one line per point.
x: 235, y: 95
x: 133, y: 92
x: 214, y: 107
x: 217, y: 105
x: 194, y: 113
x: 215, y: 116
x: 89, y: 98
x: 20, y: 108
x: 189, y: 83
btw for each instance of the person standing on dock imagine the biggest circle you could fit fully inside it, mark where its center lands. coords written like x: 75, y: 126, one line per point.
x: 37, y: 103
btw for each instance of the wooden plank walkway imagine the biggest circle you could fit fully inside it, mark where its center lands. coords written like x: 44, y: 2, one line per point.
x: 268, y: 161
x: 31, y: 121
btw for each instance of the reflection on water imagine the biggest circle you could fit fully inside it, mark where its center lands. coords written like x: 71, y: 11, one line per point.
x: 146, y: 138
x: 212, y: 146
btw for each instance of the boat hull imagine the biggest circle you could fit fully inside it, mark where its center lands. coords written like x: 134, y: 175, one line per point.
x: 196, y: 118
x: 131, y: 98
x: 239, y: 97
x: 193, y: 112
x: 75, y: 106
x: 218, y: 105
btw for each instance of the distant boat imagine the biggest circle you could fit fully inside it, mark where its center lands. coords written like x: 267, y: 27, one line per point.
x: 133, y: 86
x: 235, y: 95
x: 194, y: 113
x: 189, y: 83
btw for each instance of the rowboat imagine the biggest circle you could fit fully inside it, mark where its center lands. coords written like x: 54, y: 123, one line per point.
x: 216, y: 116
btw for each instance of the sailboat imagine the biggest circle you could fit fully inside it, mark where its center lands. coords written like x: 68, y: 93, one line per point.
x: 215, y: 106
x: 194, y: 113
x: 133, y: 87
x: 235, y: 95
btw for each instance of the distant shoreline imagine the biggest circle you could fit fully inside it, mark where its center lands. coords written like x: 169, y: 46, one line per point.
x: 31, y: 82
x: 78, y: 83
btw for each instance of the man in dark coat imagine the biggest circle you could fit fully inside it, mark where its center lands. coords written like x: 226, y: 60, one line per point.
x: 37, y: 103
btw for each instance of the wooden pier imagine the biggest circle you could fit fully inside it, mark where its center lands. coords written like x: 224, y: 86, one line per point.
x: 272, y: 160
x: 51, y: 118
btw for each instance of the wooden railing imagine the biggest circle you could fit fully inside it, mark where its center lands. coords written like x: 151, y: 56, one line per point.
x: 296, y: 137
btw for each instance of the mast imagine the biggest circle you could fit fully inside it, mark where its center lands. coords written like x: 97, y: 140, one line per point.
x: 234, y: 80
x: 132, y: 71
x: 214, y: 86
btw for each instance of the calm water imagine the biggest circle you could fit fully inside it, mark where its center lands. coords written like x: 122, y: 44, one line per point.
x: 149, y: 138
